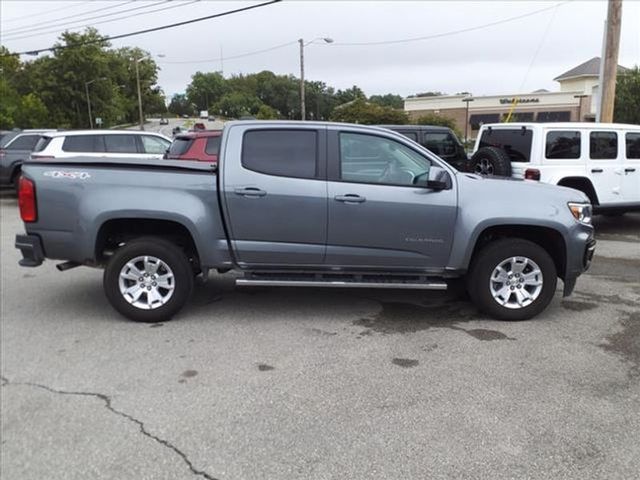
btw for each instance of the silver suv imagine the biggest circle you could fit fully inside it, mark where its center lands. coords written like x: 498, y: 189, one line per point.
x: 15, y: 148
x: 101, y: 143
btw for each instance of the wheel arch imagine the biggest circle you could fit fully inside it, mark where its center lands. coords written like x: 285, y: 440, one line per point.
x: 582, y: 184
x: 117, y: 231
x: 551, y: 240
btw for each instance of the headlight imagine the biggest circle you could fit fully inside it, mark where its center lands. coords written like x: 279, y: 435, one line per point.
x: 581, y: 212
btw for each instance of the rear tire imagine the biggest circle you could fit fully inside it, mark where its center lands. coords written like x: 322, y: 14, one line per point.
x: 491, y: 161
x: 148, y: 280
x: 512, y: 279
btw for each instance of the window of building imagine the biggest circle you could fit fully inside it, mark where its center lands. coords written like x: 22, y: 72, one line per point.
x: 603, y: 145
x: 83, y: 143
x: 633, y: 145
x: 518, y: 117
x: 24, y: 142
x: 287, y: 153
x: 120, y: 144
x: 477, y: 120
x: 516, y: 142
x: 371, y: 159
x: 154, y: 145
x: 213, y: 146
x: 562, y: 144
x: 553, y: 117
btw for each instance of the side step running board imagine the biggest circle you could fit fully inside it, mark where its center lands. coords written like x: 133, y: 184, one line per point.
x: 340, y: 284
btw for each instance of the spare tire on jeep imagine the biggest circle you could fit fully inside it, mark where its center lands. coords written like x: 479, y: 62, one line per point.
x: 491, y: 161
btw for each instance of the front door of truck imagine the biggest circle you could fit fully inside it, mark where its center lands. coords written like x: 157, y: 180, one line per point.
x: 379, y: 216
x: 275, y: 194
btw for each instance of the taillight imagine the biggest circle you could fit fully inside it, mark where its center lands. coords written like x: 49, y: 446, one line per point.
x: 532, y: 174
x: 27, y: 200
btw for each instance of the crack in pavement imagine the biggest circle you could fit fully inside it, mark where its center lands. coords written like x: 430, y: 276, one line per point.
x: 107, y: 401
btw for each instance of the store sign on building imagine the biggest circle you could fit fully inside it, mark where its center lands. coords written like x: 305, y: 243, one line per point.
x: 519, y: 100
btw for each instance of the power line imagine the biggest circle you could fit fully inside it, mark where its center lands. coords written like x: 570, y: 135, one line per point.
x: 210, y: 60
x: 452, y: 32
x: 29, y: 17
x: 148, y: 30
x: 56, y: 21
x: 112, y: 19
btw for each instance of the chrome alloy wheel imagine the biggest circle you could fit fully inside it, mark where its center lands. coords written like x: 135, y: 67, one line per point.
x: 516, y: 282
x: 484, y: 167
x: 146, y: 282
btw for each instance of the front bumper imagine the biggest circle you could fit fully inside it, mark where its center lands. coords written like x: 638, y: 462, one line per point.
x: 31, y: 248
x: 580, y: 263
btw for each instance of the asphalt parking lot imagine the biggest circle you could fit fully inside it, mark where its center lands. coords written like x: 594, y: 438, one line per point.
x: 320, y: 384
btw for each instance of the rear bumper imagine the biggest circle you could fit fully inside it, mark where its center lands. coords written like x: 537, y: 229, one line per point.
x: 31, y: 248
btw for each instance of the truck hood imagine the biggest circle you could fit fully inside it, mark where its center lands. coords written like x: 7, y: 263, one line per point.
x: 517, y: 190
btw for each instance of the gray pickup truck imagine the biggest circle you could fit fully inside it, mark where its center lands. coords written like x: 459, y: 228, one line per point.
x: 304, y: 204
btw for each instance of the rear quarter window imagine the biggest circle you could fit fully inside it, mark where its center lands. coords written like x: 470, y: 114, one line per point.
x: 83, y: 143
x: 23, y: 142
x: 286, y: 153
x: 42, y: 144
x: 121, y: 143
x: 562, y: 144
x: 180, y: 146
x: 213, y: 146
x: 515, y: 142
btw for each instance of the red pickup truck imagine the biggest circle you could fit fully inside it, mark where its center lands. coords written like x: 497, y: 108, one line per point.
x: 202, y: 146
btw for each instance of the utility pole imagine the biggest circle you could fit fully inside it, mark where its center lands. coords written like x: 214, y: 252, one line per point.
x: 302, y: 104
x: 141, y: 119
x: 86, y: 88
x: 610, y: 68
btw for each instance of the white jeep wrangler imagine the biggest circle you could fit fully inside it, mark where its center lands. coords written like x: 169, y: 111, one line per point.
x: 600, y: 159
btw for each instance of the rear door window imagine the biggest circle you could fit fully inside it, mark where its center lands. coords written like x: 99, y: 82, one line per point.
x: 24, y: 142
x: 562, y: 144
x: 213, y: 146
x: 42, y: 144
x: 287, y: 153
x: 121, y: 143
x: 515, y: 142
x: 603, y: 145
x: 154, y: 145
x: 83, y: 143
x: 633, y: 145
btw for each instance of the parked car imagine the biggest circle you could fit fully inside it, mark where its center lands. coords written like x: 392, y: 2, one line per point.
x: 199, y: 126
x: 211, y: 118
x: 177, y: 130
x: 164, y: 121
x: 304, y: 204
x: 15, y: 148
x: 200, y: 146
x: 439, y: 140
x: 601, y: 160
x: 100, y: 143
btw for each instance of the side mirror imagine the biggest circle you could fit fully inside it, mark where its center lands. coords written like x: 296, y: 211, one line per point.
x: 436, y: 184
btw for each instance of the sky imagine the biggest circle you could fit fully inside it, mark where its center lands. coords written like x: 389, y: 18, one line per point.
x: 478, y: 46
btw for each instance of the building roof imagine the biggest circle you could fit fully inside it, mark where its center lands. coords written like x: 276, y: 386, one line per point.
x: 590, y: 68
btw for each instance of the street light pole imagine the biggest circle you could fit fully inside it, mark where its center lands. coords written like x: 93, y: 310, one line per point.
x: 303, y: 108
x: 466, y: 100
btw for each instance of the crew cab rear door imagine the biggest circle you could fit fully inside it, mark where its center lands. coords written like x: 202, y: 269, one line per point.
x: 273, y: 182
x: 378, y: 216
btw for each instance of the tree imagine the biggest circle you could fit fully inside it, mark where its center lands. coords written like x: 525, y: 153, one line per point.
x: 627, y: 103
x: 360, y: 111
x: 179, y: 105
x: 349, y: 95
x: 237, y: 104
x: 388, y: 100
x: 206, y: 89
x: 32, y: 112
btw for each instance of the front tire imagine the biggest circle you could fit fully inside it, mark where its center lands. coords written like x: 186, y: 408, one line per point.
x: 512, y: 279
x: 148, y: 280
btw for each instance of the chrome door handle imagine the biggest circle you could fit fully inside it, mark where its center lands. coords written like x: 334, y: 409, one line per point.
x: 249, y: 192
x: 596, y: 170
x: 629, y: 170
x: 350, y: 198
